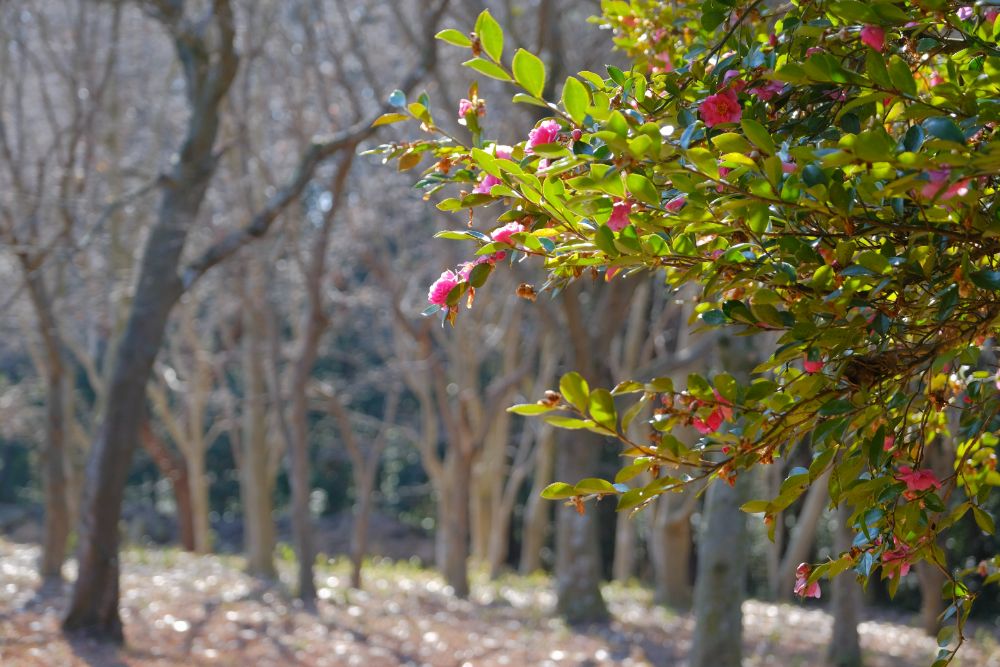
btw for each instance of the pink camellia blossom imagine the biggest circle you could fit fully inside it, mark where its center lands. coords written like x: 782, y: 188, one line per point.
x: 710, y: 424
x: 812, y: 50
x: 731, y: 79
x: 485, y: 184
x: 938, y: 186
x: 935, y: 79
x: 676, y: 204
x: 545, y: 133
x: 788, y: 166
x: 965, y: 13
x: 768, y: 91
x: 725, y: 407
x: 661, y: 63
x: 888, y: 443
x: 502, y: 151
x: 812, y: 366
x: 619, y: 215
x: 802, y: 586
x: 464, y: 107
x: 894, y: 560
x: 438, y: 293
x: 874, y: 37
x: 466, y: 269
x: 991, y: 15
x: 723, y: 107
x: 504, y: 234
x: 917, y: 480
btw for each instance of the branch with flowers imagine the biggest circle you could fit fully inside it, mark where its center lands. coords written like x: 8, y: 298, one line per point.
x: 825, y: 173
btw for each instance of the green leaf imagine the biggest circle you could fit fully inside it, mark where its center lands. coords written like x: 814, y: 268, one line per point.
x: 529, y: 71
x: 594, y: 485
x: 558, y: 491
x: 530, y: 409
x: 901, y: 76
x: 837, y: 406
x: 490, y: 35
x: 454, y: 37
x: 986, y: 279
x: 944, y: 128
x: 602, y: 409
x: 643, y: 189
x: 479, y: 274
x: 755, y: 506
x: 569, y: 422
x: 575, y: 390
x: 484, y: 66
x: 758, y: 135
x: 575, y: 99
x: 389, y: 118
x: 984, y: 520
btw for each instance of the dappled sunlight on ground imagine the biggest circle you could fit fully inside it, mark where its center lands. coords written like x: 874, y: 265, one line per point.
x: 181, y: 609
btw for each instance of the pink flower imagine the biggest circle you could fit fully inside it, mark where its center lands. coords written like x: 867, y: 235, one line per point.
x: 722, y: 107
x: 464, y: 107
x: 802, y: 586
x: 874, y: 37
x: 788, y: 167
x: 965, y: 13
x: 619, y: 215
x: 661, y: 62
x: 502, y: 152
x: 888, y: 443
x: 935, y: 79
x: 438, y: 293
x: 504, y: 234
x: 485, y: 183
x: 938, y: 186
x: 676, y: 204
x: 545, y: 133
x: 991, y: 16
x: 917, y: 480
x: 814, y: 50
x: 709, y: 424
x: 725, y: 407
x: 731, y: 79
x: 894, y: 560
x: 812, y: 366
x: 768, y: 91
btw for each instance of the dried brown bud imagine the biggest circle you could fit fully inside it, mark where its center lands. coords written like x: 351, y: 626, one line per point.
x: 526, y: 291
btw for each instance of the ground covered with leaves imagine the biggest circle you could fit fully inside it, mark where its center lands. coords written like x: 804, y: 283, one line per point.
x: 181, y: 609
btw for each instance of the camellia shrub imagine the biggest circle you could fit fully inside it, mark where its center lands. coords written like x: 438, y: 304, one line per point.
x: 825, y: 173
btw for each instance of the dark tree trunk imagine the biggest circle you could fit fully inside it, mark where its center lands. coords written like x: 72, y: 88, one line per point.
x: 578, y: 549
x: 720, y: 586
x: 845, y: 645
x: 210, y: 64
x: 56, y: 531
x: 175, y: 472
x: 455, y: 521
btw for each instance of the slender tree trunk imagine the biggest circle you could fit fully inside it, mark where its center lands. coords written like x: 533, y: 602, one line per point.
x: 626, y: 537
x: 176, y: 473
x: 845, y: 645
x: 538, y: 511
x: 362, y: 518
x: 200, y: 506
x: 499, y: 547
x: 671, y: 548
x: 931, y: 602
x: 455, y: 524
x: 93, y: 606
x: 578, y: 549
x: 301, y: 488
x: 720, y: 586
x: 56, y: 532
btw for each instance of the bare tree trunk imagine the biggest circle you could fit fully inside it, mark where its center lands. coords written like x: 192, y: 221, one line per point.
x: 845, y: 645
x: 578, y: 549
x: 626, y: 537
x: 721, y: 583
x: 200, y: 506
x: 256, y: 482
x: 176, y: 473
x: 53, y: 456
x: 670, y: 547
x: 362, y: 517
x: 538, y: 511
x: 93, y: 606
x: 454, y: 526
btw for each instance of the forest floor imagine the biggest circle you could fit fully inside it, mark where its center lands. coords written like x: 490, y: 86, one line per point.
x: 181, y: 609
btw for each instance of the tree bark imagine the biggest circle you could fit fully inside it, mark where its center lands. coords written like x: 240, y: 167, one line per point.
x: 845, y: 644
x: 626, y: 538
x: 720, y: 586
x: 175, y: 472
x: 362, y: 517
x: 53, y: 454
x: 578, y: 549
x: 200, y: 506
x: 454, y: 520
x: 93, y: 607
x: 670, y: 546
x: 538, y: 511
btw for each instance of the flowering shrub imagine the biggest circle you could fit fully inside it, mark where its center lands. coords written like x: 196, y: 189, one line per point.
x: 826, y: 171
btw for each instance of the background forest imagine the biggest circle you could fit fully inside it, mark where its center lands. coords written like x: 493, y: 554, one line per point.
x: 300, y: 413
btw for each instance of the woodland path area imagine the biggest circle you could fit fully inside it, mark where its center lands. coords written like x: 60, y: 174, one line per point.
x: 188, y: 610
